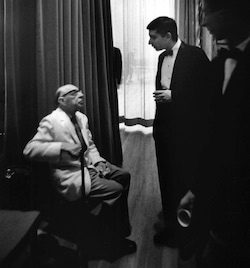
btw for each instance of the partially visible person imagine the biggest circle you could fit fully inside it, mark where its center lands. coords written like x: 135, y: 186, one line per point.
x: 62, y: 138
x: 117, y: 76
x: 130, y: 67
x: 222, y: 185
x: 181, y: 98
x: 117, y: 62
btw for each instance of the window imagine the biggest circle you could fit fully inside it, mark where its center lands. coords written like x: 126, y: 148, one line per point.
x: 129, y: 21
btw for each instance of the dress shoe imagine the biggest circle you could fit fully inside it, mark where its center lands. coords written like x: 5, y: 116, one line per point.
x: 127, y: 246
x: 165, y: 238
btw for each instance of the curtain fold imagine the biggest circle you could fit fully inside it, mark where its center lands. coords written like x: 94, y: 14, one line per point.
x: 207, y: 41
x: 48, y: 43
x: 19, y: 77
x: 189, y: 18
x: 188, y: 21
x: 2, y: 78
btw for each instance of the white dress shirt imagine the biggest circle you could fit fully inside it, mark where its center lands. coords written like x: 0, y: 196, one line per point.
x: 230, y: 65
x: 168, y: 66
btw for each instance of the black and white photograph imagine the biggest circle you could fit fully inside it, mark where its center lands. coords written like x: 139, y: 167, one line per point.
x: 124, y: 134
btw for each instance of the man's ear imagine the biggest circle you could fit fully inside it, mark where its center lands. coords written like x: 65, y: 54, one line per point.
x: 61, y: 101
x: 169, y: 35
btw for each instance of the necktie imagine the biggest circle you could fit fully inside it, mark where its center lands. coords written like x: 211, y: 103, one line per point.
x: 168, y: 53
x: 84, y: 148
x: 79, y: 133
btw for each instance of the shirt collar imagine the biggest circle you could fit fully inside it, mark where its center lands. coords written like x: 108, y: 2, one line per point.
x: 244, y: 44
x: 241, y: 46
x: 177, y: 45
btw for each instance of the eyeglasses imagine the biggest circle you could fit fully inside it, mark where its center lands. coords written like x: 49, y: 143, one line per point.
x: 72, y: 92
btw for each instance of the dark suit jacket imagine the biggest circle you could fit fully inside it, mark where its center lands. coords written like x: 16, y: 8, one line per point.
x: 182, y: 120
x: 223, y: 181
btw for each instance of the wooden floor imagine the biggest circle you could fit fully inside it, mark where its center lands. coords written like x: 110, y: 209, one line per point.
x: 144, y: 205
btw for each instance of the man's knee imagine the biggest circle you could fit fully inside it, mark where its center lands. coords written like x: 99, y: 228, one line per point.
x: 124, y: 179
x: 127, y: 176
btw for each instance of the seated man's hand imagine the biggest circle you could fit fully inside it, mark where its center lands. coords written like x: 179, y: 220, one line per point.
x: 72, y: 149
x: 102, y: 168
x: 162, y: 95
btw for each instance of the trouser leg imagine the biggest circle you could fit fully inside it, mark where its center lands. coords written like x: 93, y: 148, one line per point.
x: 119, y: 217
x: 165, y: 165
x: 113, y: 193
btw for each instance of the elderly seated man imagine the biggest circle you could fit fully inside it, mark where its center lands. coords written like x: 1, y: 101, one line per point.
x: 64, y: 140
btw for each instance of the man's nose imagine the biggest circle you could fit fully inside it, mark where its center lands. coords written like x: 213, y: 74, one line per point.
x: 203, y: 20
x: 80, y: 94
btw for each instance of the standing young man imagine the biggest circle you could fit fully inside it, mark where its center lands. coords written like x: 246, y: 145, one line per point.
x: 222, y: 184
x: 181, y: 100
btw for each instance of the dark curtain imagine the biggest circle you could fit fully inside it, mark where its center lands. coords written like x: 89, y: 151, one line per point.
x: 45, y: 44
x: 18, y: 61
x: 74, y: 41
x: 2, y: 79
x: 187, y: 18
x: 112, y: 75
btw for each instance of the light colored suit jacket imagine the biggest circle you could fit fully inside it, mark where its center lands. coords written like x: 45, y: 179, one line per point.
x: 53, y: 130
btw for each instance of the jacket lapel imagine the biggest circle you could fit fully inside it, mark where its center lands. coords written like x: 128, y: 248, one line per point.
x: 66, y: 123
x: 83, y: 128
x: 241, y: 70
x: 177, y: 64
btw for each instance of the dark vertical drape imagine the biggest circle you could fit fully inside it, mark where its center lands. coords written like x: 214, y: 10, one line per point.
x: 74, y: 41
x: 48, y: 43
x: 112, y: 85
x: 187, y: 19
x: 19, y: 79
x: 2, y: 80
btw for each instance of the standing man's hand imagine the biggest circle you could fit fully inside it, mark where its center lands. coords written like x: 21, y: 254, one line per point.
x: 187, y: 200
x: 162, y: 95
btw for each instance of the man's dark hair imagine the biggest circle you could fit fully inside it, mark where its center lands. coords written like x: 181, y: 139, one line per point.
x: 163, y: 25
x: 221, y: 4
x: 240, y: 8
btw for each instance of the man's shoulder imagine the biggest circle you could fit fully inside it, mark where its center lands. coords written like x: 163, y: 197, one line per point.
x: 49, y: 116
x: 193, y: 52
x: 56, y: 115
x: 191, y: 48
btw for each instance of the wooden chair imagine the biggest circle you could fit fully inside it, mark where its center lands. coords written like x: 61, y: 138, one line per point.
x: 61, y: 219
